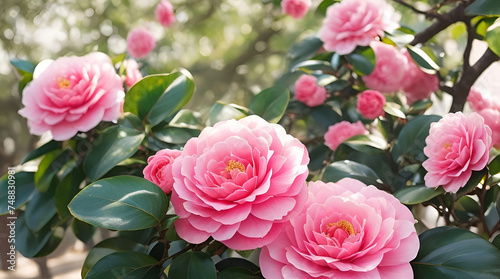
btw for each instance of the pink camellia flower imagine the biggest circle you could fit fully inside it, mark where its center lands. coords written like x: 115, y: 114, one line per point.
x: 73, y: 94
x: 295, y: 8
x: 133, y: 73
x: 353, y: 23
x: 165, y: 13
x: 390, y: 68
x: 159, y: 169
x: 479, y: 100
x: 417, y: 84
x: 371, y: 104
x: 308, y: 92
x: 346, y: 230
x: 341, y: 131
x: 140, y: 42
x: 492, y: 119
x: 239, y: 182
x: 456, y: 146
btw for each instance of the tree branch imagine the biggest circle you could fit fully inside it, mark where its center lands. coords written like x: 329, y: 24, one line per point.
x: 428, y: 14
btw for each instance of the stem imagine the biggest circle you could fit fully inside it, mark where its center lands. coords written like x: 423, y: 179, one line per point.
x: 428, y: 14
x: 480, y: 194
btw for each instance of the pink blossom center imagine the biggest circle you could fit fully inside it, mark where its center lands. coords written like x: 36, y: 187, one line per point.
x: 340, y: 230
x: 233, y: 168
x: 64, y: 83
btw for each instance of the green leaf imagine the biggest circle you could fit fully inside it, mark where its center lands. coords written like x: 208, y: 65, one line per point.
x: 107, y: 247
x: 482, y: 25
x: 220, y: 112
x: 42, y: 150
x: 484, y: 7
x: 422, y: 59
x: 321, y: 10
x: 23, y: 65
x: 411, y: 139
x: 341, y: 169
x: 335, y: 61
x: 67, y: 189
x: 176, y: 135
x: 304, y: 49
x: 496, y: 241
x: 156, y: 97
x: 237, y: 262
x: 417, y: 194
x: 494, y: 166
x: 362, y: 60
x: 368, y: 144
x: 474, y: 180
x: 238, y: 273
x: 50, y: 165
x: 310, y: 66
x: 447, y: 252
x: 40, y: 209
x: 114, y: 145
x: 192, y: 265
x: 120, y: 203
x: 129, y: 264
x: 83, y: 231
x: 36, y: 244
x: 23, y: 185
x: 271, y: 103
x: 493, y: 37
x: 394, y: 109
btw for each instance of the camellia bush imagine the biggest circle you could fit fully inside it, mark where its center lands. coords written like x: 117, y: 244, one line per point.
x: 360, y: 162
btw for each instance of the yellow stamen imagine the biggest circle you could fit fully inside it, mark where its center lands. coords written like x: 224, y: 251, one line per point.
x: 63, y: 83
x: 233, y: 165
x: 447, y: 145
x: 345, y: 225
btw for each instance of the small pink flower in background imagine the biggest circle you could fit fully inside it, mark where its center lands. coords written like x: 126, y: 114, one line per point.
x: 239, y: 182
x: 371, y: 104
x: 479, y: 100
x: 165, y: 13
x: 346, y: 230
x: 133, y: 73
x: 492, y: 119
x: 456, y: 146
x: 353, y: 23
x: 341, y: 131
x: 308, y: 92
x: 295, y: 8
x: 417, y: 84
x: 73, y: 94
x: 390, y: 68
x: 159, y: 169
x: 140, y: 42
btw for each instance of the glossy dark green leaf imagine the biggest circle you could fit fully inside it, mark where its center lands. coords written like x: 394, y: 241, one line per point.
x: 362, y: 60
x: 83, y: 231
x: 192, y: 265
x: 394, y: 109
x: 50, y: 165
x: 304, y: 49
x: 120, y: 203
x: 156, y: 97
x: 325, y: 115
x: 220, y: 112
x: 422, y: 59
x: 42, y: 150
x: 335, y: 61
x: 417, y: 194
x: 176, y: 135
x: 40, y: 209
x: 467, y: 204
x: 474, y: 180
x: 318, y: 156
x: 411, y: 139
x: 448, y: 252
x: 341, y: 169
x: 493, y: 37
x: 128, y: 264
x: 107, y: 247
x: 236, y: 262
x: 496, y: 241
x: 23, y: 185
x: 368, y: 144
x: 288, y: 79
x: 321, y: 10
x: 31, y: 244
x: 114, y: 145
x: 186, y: 117
x: 271, y: 103
x: 494, y: 166
x: 23, y: 65
x: 238, y: 273
x: 310, y: 66
x: 484, y: 7
x: 67, y: 189
x: 143, y: 236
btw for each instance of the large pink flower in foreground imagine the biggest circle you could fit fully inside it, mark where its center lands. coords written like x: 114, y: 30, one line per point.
x: 140, y: 42
x: 239, y: 182
x: 390, y: 68
x: 492, y: 119
x: 346, y: 230
x: 371, y: 104
x: 456, y: 146
x: 417, y: 84
x: 308, y: 92
x: 295, y: 8
x: 341, y: 131
x: 159, y: 169
x: 353, y: 23
x: 73, y: 94
x: 164, y: 13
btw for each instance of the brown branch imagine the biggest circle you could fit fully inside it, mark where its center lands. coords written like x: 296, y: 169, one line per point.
x: 428, y: 14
